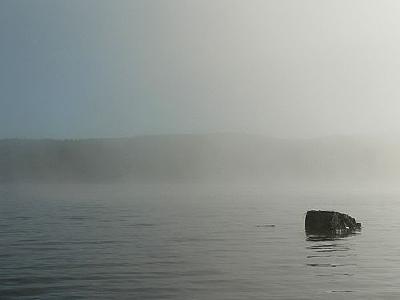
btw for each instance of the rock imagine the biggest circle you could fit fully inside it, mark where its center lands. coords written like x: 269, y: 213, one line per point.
x: 330, y: 222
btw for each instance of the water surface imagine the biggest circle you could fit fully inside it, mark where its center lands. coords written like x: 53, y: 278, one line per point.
x: 192, y: 242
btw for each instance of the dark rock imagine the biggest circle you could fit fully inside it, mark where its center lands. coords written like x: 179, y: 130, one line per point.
x: 330, y: 222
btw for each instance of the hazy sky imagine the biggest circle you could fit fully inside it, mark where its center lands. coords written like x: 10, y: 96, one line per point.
x: 92, y: 68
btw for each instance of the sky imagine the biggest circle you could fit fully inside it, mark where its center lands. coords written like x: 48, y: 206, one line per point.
x: 99, y: 68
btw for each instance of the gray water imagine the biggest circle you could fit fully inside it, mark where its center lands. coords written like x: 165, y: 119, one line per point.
x: 192, y: 242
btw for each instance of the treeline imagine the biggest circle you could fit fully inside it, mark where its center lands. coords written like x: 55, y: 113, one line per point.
x: 197, y: 157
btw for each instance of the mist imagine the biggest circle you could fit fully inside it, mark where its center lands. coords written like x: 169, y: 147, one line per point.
x: 202, y: 149
x: 283, y: 69
x: 208, y: 90
x: 212, y: 158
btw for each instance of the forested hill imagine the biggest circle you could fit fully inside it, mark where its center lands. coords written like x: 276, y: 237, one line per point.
x: 198, y: 157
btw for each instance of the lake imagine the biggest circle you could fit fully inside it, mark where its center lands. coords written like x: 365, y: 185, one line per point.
x: 181, y: 241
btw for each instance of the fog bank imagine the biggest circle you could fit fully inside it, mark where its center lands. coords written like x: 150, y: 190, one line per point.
x: 200, y: 158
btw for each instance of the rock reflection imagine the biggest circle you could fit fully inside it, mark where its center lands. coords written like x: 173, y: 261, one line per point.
x: 331, y: 253
x: 329, y: 235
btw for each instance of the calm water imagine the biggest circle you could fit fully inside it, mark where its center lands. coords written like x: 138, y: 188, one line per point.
x: 192, y: 242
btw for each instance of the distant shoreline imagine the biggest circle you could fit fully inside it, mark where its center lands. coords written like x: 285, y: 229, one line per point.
x: 200, y: 157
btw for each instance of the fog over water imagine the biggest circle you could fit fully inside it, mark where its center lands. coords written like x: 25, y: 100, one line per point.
x: 171, y: 149
x: 202, y: 158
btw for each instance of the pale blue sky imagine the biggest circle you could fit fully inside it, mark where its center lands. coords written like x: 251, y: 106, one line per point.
x: 93, y: 68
